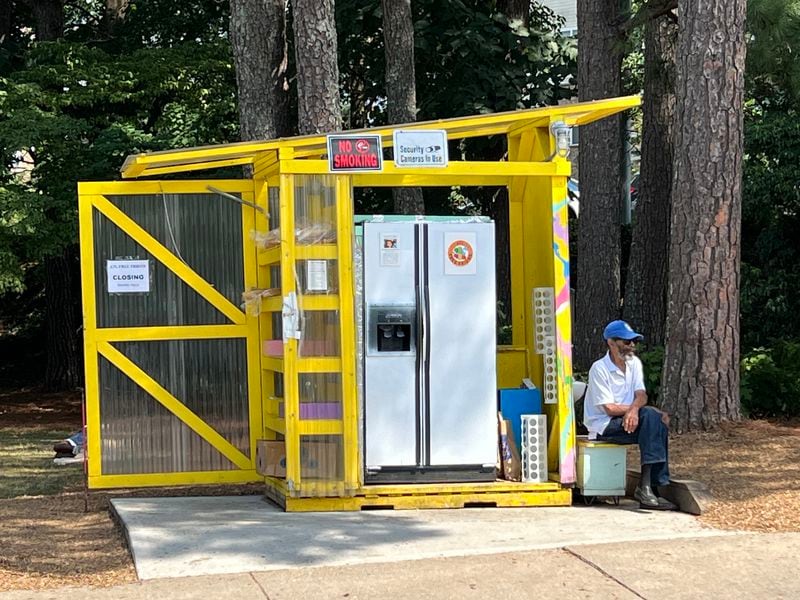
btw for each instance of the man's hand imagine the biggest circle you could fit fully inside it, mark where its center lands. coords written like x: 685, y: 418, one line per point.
x: 664, y: 417
x: 631, y: 419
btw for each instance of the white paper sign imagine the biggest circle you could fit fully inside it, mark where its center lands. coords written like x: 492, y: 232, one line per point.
x: 420, y: 148
x: 317, y: 275
x: 390, y: 250
x: 460, y: 253
x: 128, y: 276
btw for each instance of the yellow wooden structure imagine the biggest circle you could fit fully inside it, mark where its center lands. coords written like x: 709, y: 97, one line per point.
x: 149, y: 425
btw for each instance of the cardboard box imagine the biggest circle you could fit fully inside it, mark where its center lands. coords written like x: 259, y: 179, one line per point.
x: 271, y: 458
x: 318, y: 460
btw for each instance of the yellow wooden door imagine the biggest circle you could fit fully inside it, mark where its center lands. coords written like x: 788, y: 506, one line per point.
x: 171, y: 357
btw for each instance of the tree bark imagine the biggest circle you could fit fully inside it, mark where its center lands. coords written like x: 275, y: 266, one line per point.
x: 49, y: 18
x: 401, y: 87
x: 700, y: 381
x: 258, y: 39
x: 646, y: 286
x: 600, y: 166
x: 114, y: 14
x: 5, y: 20
x: 63, y: 368
x: 318, y: 109
x: 499, y: 212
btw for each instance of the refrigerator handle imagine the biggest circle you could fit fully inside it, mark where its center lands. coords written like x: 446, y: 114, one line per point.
x: 425, y: 311
x: 419, y: 369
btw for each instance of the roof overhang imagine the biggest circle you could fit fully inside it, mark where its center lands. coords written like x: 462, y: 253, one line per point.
x: 315, y: 146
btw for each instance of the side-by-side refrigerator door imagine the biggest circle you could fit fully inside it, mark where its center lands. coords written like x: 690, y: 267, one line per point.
x: 390, y: 363
x: 461, y: 345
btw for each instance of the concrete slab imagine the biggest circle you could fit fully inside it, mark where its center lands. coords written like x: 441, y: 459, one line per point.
x: 742, y: 566
x: 175, y: 537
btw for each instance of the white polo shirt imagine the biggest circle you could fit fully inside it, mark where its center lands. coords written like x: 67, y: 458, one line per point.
x: 609, y: 385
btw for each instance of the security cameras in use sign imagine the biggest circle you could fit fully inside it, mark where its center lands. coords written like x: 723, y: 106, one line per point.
x: 354, y: 153
x: 420, y: 148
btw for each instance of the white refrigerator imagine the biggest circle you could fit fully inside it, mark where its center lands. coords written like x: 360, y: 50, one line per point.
x: 430, y: 391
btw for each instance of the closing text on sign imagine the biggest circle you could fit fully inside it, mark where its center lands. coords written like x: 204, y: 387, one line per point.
x: 128, y: 276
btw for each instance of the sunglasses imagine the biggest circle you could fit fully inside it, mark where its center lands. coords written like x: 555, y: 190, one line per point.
x: 625, y: 342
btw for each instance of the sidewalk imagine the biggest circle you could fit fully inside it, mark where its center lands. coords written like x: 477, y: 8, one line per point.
x: 741, y: 566
x: 176, y: 537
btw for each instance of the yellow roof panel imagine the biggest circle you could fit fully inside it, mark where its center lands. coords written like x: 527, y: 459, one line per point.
x: 209, y: 157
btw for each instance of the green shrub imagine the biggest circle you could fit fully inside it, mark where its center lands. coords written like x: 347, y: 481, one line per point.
x: 653, y: 363
x: 771, y: 381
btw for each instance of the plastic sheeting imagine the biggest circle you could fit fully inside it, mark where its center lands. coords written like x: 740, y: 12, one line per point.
x: 202, y: 230
x: 320, y: 394
x: 138, y: 434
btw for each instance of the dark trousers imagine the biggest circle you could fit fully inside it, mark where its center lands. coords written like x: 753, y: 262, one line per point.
x: 653, y: 439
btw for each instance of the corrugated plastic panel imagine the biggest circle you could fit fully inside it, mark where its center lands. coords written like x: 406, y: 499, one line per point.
x: 202, y: 230
x: 139, y: 435
x: 321, y: 456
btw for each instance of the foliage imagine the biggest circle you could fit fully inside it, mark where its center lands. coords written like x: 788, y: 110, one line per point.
x: 162, y: 77
x: 771, y: 381
x: 469, y: 59
x: 495, y: 64
x: 652, y: 363
x: 76, y: 111
x: 770, y: 226
x: 72, y: 109
x: 167, y: 23
x: 773, y: 37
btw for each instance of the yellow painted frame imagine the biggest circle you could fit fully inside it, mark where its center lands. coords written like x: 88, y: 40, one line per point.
x: 536, y: 181
x: 99, y: 341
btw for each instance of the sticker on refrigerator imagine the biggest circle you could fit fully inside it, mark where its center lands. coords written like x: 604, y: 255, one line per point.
x: 317, y: 275
x: 459, y: 249
x: 390, y: 250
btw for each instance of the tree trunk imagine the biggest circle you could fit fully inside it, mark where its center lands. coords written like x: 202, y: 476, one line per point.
x: 258, y: 39
x: 114, y: 14
x: 600, y: 165
x: 646, y: 287
x: 700, y: 382
x: 318, y: 108
x: 401, y: 87
x: 5, y: 20
x: 63, y: 368
x: 500, y: 214
x: 49, y: 17
x: 63, y: 364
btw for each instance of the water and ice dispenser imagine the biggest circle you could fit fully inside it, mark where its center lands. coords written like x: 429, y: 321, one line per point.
x: 391, y: 329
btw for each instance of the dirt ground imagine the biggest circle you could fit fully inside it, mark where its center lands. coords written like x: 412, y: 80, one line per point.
x: 68, y: 538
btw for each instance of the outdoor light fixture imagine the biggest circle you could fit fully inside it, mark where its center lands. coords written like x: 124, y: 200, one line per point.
x: 563, y: 133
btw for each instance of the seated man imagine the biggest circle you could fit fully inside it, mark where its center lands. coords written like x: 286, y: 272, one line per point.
x: 615, y: 411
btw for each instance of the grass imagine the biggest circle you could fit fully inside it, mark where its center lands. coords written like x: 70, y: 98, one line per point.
x: 27, y: 467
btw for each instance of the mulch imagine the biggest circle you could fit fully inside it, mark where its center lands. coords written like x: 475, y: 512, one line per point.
x: 30, y: 408
x: 752, y: 469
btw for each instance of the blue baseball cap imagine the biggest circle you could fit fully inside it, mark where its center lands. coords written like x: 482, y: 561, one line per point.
x: 621, y: 330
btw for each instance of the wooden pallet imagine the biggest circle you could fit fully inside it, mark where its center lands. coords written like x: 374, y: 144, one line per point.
x: 427, y: 497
